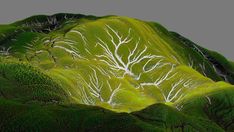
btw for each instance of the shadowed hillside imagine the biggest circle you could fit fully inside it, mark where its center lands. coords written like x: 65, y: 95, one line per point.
x: 69, y: 72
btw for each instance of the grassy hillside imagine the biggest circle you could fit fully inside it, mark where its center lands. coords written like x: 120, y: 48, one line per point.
x: 75, y: 72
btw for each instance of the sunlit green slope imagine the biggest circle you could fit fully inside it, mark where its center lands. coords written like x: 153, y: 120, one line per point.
x: 117, y: 63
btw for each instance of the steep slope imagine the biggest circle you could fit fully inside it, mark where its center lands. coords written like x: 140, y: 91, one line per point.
x: 117, y: 63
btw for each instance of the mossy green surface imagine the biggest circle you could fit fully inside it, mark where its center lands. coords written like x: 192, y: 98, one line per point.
x: 71, y: 72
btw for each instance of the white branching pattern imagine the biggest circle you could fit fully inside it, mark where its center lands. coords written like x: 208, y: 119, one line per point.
x: 190, y: 62
x: 113, y: 93
x: 146, y: 68
x: 80, y: 34
x: 203, y: 68
x: 176, y: 90
x: 179, y: 107
x: 50, y: 43
x: 95, y: 89
x: 5, y: 51
x: 115, y: 60
x: 51, y: 20
x: 163, y: 77
x: 175, y: 59
x: 67, y: 46
x: 31, y: 46
x: 104, y: 71
x: 198, y: 50
x: 94, y: 85
x: 85, y: 98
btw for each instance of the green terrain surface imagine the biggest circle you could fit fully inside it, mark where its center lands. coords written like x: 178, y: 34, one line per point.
x: 72, y: 72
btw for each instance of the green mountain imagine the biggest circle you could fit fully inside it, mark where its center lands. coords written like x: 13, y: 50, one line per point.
x: 70, y: 72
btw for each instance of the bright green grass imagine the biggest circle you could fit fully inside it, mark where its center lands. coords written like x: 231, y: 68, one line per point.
x: 59, y: 75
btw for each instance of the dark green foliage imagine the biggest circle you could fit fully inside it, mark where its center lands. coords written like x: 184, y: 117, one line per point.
x: 21, y: 117
x: 216, y: 106
x: 222, y: 66
x: 46, y: 24
x: 172, y: 120
x: 65, y: 67
x: 25, y: 83
x: 85, y: 118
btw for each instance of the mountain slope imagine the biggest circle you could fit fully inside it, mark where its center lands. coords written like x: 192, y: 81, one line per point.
x: 117, y: 63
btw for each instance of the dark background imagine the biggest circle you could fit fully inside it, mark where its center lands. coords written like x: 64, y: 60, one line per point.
x: 206, y: 22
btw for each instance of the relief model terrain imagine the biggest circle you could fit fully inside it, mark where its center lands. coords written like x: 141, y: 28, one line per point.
x: 71, y: 72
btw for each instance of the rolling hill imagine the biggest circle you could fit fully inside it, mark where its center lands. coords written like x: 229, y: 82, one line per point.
x: 70, y: 72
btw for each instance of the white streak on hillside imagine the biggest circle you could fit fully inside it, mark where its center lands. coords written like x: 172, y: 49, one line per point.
x: 95, y: 88
x: 5, y: 51
x: 114, y: 59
